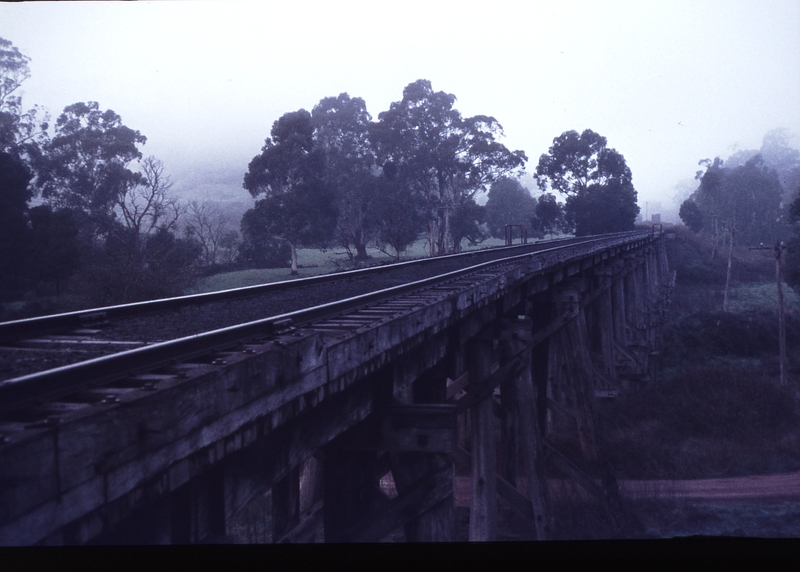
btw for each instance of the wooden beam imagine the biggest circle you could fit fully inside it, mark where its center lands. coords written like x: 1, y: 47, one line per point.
x: 454, y: 386
x: 418, y: 498
x: 426, y: 428
x: 479, y: 391
x: 516, y: 499
x: 306, y: 530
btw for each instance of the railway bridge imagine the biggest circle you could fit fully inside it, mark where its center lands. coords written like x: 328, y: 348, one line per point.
x: 476, y: 369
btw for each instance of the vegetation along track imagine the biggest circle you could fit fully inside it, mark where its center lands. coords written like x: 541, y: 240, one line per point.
x: 345, y: 301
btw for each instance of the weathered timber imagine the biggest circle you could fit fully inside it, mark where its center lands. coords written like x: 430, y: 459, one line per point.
x: 572, y: 343
x: 285, y: 504
x: 311, y: 483
x: 435, y: 523
x: 423, y: 495
x: 483, y: 508
x: 253, y: 418
x: 571, y: 471
x: 306, y: 530
x: 505, y: 489
x: 349, y: 479
x: 482, y: 390
x: 509, y: 429
x: 526, y: 404
x: 606, y: 327
x: 423, y: 428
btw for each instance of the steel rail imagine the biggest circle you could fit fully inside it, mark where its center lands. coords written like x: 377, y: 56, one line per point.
x: 16, y: 329
x: 22, y: 392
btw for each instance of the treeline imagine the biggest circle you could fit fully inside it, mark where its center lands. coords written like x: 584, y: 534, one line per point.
x: 87, y: 220
x: 751, y: 199
x: 336, y: 175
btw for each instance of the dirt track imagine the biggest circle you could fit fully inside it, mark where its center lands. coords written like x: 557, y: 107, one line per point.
x: 761, y: 488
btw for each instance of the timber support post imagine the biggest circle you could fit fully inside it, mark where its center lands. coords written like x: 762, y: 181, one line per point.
x: 527, y: 427
x: 483, y: 509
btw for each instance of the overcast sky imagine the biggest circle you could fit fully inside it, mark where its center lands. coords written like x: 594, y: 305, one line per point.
x: 667, y: 83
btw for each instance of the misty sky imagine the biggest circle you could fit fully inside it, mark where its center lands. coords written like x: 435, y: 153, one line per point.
x: 667, y: 83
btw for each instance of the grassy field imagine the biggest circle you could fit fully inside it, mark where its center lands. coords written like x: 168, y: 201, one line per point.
x: 717, y: 408
x: 312, y: 262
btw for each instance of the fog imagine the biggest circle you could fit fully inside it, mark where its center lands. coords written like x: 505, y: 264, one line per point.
x: 667, y: 83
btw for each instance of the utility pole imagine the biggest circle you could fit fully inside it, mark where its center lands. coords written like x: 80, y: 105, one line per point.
x: 728, y: 276
x: 778, y: 251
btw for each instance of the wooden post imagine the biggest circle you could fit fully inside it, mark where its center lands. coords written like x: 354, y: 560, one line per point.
x: 199, y: 509
x: 574, y: 346
x: 509, y: 457
x: 437, y: 524
x: 606, y: 324
x: 285, y: 504
x: 527, y: 413
x: 349, y: 480
x: 483, y: 509
x: 619, y: 312
x: 311, y: 483
x: 509, y: 443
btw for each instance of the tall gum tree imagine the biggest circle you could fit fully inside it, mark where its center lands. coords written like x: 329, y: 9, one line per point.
x: 22, y: 133
x: 596, y: 180
x: 287, y: 179
x: 86, y: 164
x: 444, y: 158
x: 341, y: 131
x: 746, y: 198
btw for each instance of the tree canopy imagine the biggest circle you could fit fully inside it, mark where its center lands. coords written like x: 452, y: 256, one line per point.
x: 596, y: 179
x: 548, y: 215
x: 87, y: 162
x: 288, y: 174
x: 443, y: 158
x: 341, y: 131
x: 509, y: 203
x: 745, y: 198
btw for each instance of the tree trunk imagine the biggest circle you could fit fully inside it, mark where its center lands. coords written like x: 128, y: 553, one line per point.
x: 361, y: 251
x: 728, y: 276
x: 781, y: 322
x: 294, y: 258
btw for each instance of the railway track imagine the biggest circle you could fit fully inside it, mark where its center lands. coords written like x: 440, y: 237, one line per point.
x: 36, y: 344
x: 41, y: 398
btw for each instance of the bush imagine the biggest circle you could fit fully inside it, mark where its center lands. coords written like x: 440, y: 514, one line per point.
x: 711, y: 421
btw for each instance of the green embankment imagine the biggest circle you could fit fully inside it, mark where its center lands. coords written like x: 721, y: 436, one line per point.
x: 717, y: 409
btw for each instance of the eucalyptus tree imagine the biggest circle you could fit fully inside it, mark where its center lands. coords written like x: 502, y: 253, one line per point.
x: 509, y: 203
x: 341, y: 132
x: 22, y: 133
x: 87, y: 164
x: 596, y: 180
x: 287, y: 179
x: 746, y: 198
x: 444, y: 159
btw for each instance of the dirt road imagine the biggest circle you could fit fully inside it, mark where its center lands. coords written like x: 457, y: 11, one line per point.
x: 777, y: 487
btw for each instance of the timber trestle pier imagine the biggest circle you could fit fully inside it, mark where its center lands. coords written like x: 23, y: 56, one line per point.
x: 475, y: 369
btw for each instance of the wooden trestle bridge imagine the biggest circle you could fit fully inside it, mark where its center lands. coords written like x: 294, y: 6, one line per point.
x: 410, y: 381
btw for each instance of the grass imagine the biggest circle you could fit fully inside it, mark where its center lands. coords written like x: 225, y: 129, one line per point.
x: 761, y: 296
x: 669, y: 518
x: 313, y: 262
